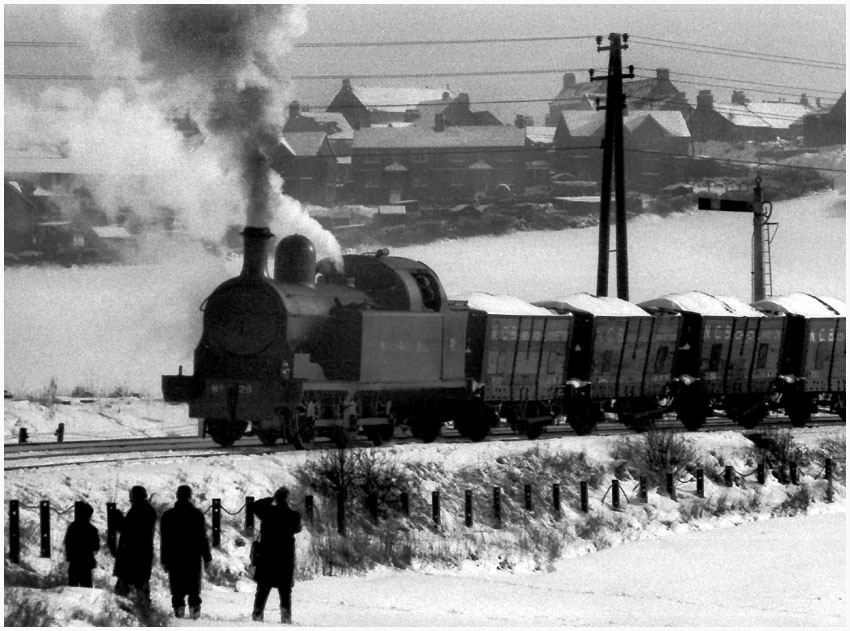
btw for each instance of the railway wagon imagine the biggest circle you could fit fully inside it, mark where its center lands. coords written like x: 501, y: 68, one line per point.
x: 314, y: 351
x: 813, y: 366
x: 729, y: 352
x: 621, y: 358
x: 518, y: 355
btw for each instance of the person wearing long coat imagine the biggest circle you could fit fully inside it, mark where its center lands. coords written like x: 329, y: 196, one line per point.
x: 184, y: 550
x: 134, y: 553
x: 81, y: 543
x: 275, y: 561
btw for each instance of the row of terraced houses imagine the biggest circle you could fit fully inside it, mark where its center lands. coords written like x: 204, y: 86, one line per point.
x: 384, y: 145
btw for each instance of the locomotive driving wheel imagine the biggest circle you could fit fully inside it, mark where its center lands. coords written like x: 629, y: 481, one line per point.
x: 691, y: 407
x: 225, y: 432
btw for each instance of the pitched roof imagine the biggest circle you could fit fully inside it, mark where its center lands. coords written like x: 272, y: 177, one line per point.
x: 305, y: 143
x: 584, y: 123
x: 671, y: 121
x: 539, y: 134
x: 329, y: 119
x: 395, y: 99
x: 768, y: 115
x: 418, y: 137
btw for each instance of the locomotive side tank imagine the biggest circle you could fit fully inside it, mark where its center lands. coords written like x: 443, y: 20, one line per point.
x: 813, y: 364
x: 729, y: 348
x: 316, y: 351
x: 518, y: 357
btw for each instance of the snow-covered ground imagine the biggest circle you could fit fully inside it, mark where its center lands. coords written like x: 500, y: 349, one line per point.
x: 732, y: 559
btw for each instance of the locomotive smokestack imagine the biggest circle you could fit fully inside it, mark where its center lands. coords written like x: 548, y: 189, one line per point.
x: 255, y: 257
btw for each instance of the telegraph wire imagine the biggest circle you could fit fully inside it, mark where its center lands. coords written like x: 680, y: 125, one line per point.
x: 719, y: 49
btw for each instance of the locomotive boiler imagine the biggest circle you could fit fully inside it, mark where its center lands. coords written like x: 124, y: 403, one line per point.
x: 320, y: 351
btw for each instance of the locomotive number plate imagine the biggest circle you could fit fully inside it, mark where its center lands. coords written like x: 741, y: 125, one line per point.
x: 223, y: 388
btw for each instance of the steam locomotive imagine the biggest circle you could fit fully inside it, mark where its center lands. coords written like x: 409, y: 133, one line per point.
x: 318, y: 350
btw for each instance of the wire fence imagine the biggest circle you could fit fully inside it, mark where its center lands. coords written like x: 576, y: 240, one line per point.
x: 402, y: 505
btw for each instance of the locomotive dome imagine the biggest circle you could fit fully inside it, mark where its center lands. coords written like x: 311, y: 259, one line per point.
x: 703, y: 304
x: 804, y: 305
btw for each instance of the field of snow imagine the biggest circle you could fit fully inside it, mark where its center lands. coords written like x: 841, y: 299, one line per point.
x: 117, y: 329
x: 735, y: 558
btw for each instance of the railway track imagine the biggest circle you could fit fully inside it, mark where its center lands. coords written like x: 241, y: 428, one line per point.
x: 46, y: 455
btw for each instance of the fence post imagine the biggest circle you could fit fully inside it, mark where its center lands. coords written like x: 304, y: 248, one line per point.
x: 309, y: 507
x: 556, y: 499
x: 372, y: 501
x: 700, y: 484
x: 340, y: 512
x: 528, y: 505
x: 111, y: 510
x: 249, y: 514
x: 583, y: 494
x: 435, y: 507
x: 468, y: 507
x: 216, y: 523
x: 615, y: 494
x: 760, y: 472
x: 792, y: 472
x: 643, y: 489
x: 14, y: 531
x: 671, y: 487
x: 727, y: 475
x: 60, y: 433
x: 44, y: 514
x: 828, y: 473
x: 405, y: 504
x: 497, y: 506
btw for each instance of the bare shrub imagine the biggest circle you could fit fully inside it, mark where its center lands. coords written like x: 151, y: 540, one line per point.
x: 777, y: 451
x: 28, y: 612
x: 656, y: 453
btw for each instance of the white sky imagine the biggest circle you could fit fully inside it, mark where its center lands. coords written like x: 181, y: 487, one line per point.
x: 686, y: 38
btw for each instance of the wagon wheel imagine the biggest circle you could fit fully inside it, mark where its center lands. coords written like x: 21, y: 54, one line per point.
x: 300, y: 429
x: 268, y: 437
x: 426, y: 426
x: 745, y: 413
x: 583, y: 415
x: 692, y: 407
x: 798, y: 407
x: 534, y: 430
x: 224, y: 432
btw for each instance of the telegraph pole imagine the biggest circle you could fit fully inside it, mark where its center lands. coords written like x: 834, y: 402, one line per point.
x: 613, y: 162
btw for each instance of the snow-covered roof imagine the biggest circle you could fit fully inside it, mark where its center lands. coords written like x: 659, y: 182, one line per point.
x: 702, y: 303
x: 770, y: 115
x: 540, y: 134
x: 598, y: 306
x: 803, y: 304
x: 504, y: 305
x: 670, y: 121
x: 111, y: 232
x: 396, y: 99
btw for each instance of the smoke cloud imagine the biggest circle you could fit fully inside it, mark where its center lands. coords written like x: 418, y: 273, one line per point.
x: 223, y: 67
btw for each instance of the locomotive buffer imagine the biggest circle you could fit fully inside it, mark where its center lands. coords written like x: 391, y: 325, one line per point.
x: 761, y: 210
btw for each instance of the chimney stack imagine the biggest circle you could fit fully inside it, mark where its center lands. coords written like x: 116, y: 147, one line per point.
x: 662, y: 74
x: 255, y: 256
x: 705, y: 100
x: 569, y: 80
x: 294, y: 109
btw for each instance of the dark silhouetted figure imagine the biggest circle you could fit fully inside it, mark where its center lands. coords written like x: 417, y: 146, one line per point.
x: 184, y: 550
x: 134, y: 556
x: 275, y: 561
x: 81, y: 543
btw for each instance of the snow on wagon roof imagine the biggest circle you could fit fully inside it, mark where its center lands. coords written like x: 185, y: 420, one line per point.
x: 702, y: 303
x: 804, y: 305
x: 504, y: 305
x: 599, y: 306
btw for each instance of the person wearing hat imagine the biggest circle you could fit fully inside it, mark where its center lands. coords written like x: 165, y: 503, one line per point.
x: 81, y: 543
x: 134, y: 553
x: 275, y: 562
x: 184, y: 550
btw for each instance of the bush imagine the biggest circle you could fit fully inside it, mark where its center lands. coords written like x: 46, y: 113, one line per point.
x: 655, y: 454
x: 778, y: 451
x: 28, y: 612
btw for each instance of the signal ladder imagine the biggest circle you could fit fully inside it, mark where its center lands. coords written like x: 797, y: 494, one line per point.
x: 768, y: 231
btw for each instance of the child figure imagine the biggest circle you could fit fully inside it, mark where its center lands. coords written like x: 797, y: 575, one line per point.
x: 81, y: 543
